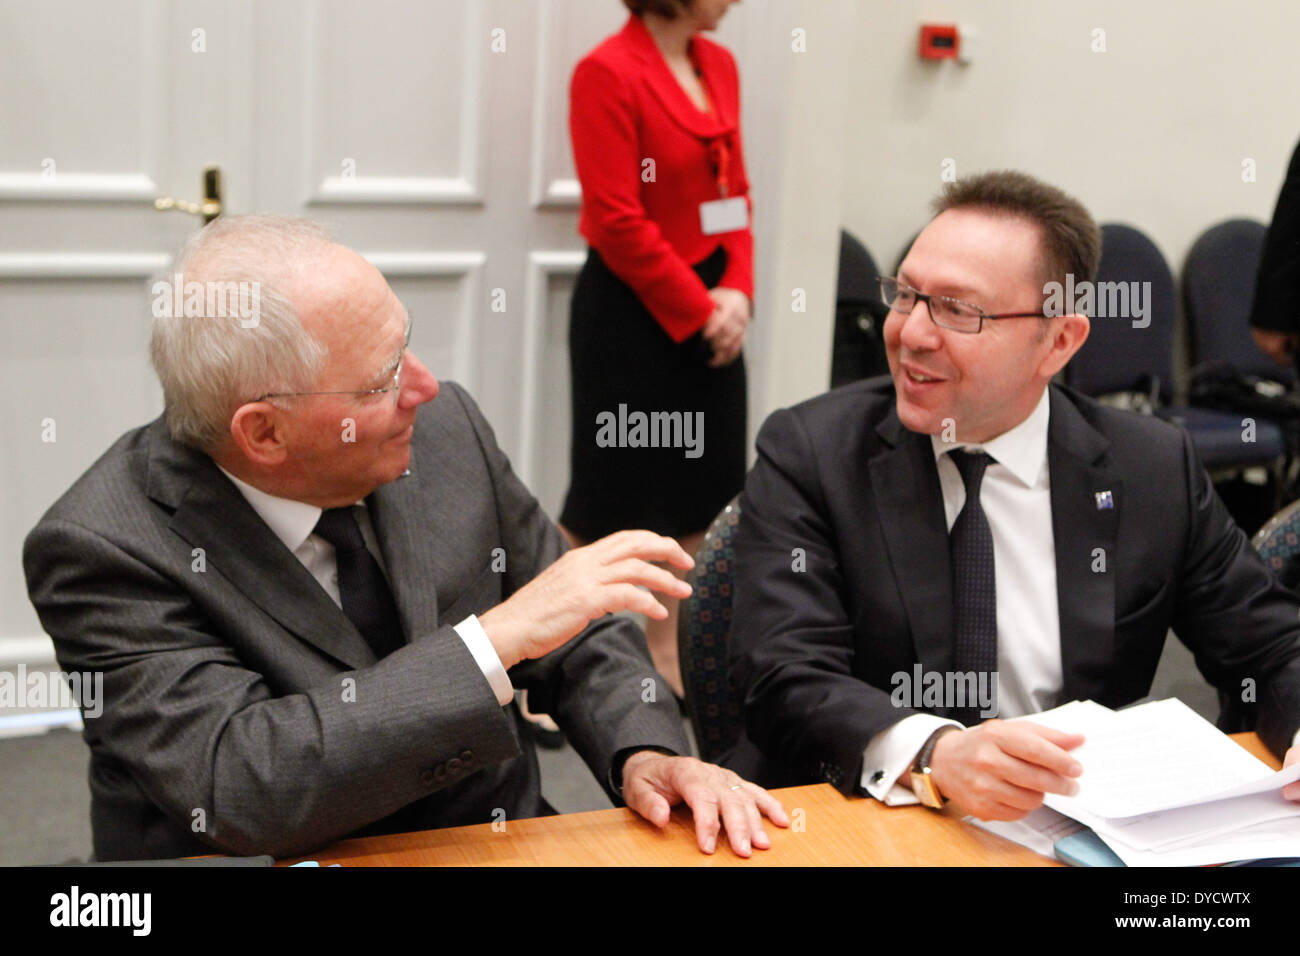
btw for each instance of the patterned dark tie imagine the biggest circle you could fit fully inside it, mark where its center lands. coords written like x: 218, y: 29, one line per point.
x: 975, y: 610
x: 367, y: 600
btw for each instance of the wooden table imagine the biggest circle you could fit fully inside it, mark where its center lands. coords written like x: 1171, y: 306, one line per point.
x: 829, y: 830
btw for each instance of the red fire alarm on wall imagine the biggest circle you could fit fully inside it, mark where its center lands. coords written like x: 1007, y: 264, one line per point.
x: 939, y: 41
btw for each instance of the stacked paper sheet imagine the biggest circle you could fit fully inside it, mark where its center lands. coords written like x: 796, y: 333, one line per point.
x: 1164, y: 787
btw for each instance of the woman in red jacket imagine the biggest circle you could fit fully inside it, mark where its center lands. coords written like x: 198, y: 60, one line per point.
x: 660, y: 309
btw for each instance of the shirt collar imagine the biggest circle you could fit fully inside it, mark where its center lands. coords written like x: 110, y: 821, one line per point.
x: 291, y: 521
x: 1023, y: 449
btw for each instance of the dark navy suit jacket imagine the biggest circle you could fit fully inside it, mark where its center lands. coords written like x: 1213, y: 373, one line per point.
x: 839, y: 476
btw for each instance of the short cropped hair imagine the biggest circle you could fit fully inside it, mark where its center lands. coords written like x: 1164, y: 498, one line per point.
x: 209, y: 365
x: 1070, y: 238
x: 670, y: 9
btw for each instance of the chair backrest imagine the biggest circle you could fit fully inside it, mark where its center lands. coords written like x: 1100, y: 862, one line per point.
x: 898, y: 263
x: 1218, y: 290
x: 703, y: 627
x: 1120, y: 356
x: 858, y: 350
x: 1278, y: 543
x: 856, y: 281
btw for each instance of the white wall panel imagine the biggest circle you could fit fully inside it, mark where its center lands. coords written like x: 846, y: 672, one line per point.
x: 393, y: 95
x: 543, y: 460
x: 566, y: 31
x: 74, y: 368
x: 441, y: 291
x: 68, y: 67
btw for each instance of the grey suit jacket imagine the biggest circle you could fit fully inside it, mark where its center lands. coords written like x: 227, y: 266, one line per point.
x: 242, y: 709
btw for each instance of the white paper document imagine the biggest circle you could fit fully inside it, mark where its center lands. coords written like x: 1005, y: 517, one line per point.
x: 1151, y: 757
x: 1280, y: 838
x: 1038, y: 830
x: 1164, y: 787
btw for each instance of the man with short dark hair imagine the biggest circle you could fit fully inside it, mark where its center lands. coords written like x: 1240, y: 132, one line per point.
x: 970, y: 521
x: 311, y: 606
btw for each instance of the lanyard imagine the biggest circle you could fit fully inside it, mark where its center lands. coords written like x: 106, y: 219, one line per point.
x: 720, y: 158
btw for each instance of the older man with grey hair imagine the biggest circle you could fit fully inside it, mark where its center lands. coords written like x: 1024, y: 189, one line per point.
x: 312, y: 607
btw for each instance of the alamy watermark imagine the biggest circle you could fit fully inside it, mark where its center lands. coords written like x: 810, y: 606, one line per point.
x: 1100, y: 300
x: 651, y: 430
x: 57, y: 689
x: 945, y: 690
x: 74, y: 908
x: 210, y: 300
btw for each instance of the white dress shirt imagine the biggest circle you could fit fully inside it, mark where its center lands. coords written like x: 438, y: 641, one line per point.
x: 1016, y: 497
x: 293, y: 522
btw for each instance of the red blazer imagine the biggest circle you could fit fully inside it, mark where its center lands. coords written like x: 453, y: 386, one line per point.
x: 625, y: 106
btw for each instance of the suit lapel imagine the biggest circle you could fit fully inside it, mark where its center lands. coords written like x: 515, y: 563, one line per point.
x: 1084, y: 527
x: 211, y: 514
x: 408, y: 551
x: 905, y: 483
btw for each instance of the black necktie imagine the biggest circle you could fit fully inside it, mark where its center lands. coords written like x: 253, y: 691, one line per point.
x: 367, y: 600
x: 975, y: 610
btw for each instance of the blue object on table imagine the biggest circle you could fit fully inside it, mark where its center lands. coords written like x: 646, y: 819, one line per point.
x: 1085, y: 848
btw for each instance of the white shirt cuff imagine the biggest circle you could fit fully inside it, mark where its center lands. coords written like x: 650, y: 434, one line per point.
x: 485, y: 656
x: 892, y: 752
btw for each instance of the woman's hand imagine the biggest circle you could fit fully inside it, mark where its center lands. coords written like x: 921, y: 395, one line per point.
x: 725, y: 330
x: 1279, y: 346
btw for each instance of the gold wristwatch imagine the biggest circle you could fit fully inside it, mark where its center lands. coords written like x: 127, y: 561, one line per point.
x: 922, y: 780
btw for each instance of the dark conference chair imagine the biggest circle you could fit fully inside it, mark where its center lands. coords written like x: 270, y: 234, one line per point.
x: 1218, y: 288
x: 1122, y: 359
x: 1119, y: 358
x: 1229, y: 372
x: 703, y: 626
x: 859, y: 348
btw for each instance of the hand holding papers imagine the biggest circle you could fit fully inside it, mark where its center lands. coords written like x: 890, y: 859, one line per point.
x: 1163, y: 787
x: 1001, y: 769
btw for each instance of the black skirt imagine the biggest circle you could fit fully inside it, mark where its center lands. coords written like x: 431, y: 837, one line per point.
x: 658, y: 439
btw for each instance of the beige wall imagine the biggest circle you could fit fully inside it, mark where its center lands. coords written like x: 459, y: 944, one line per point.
x: 1153, y: 131
x: 794, y: 101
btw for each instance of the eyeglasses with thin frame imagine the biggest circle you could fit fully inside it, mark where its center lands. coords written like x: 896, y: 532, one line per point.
x: 395, y: 386
x: 945, y: 312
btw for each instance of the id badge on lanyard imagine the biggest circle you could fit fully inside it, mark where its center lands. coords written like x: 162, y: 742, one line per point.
x: 725, y: 214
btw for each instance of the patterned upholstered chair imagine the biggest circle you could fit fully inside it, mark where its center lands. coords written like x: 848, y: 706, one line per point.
x: 1278, y: 543
x: 702, y: 630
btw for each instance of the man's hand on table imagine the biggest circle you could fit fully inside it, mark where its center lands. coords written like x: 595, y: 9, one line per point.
x: 1292, y: 790
x: 1000, y: 770
x: 653, y: 783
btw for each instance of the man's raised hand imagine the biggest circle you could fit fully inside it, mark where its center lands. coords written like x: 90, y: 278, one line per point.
x: 601, y: 578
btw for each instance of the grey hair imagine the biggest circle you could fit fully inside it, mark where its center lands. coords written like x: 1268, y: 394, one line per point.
x: 210, y: 364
